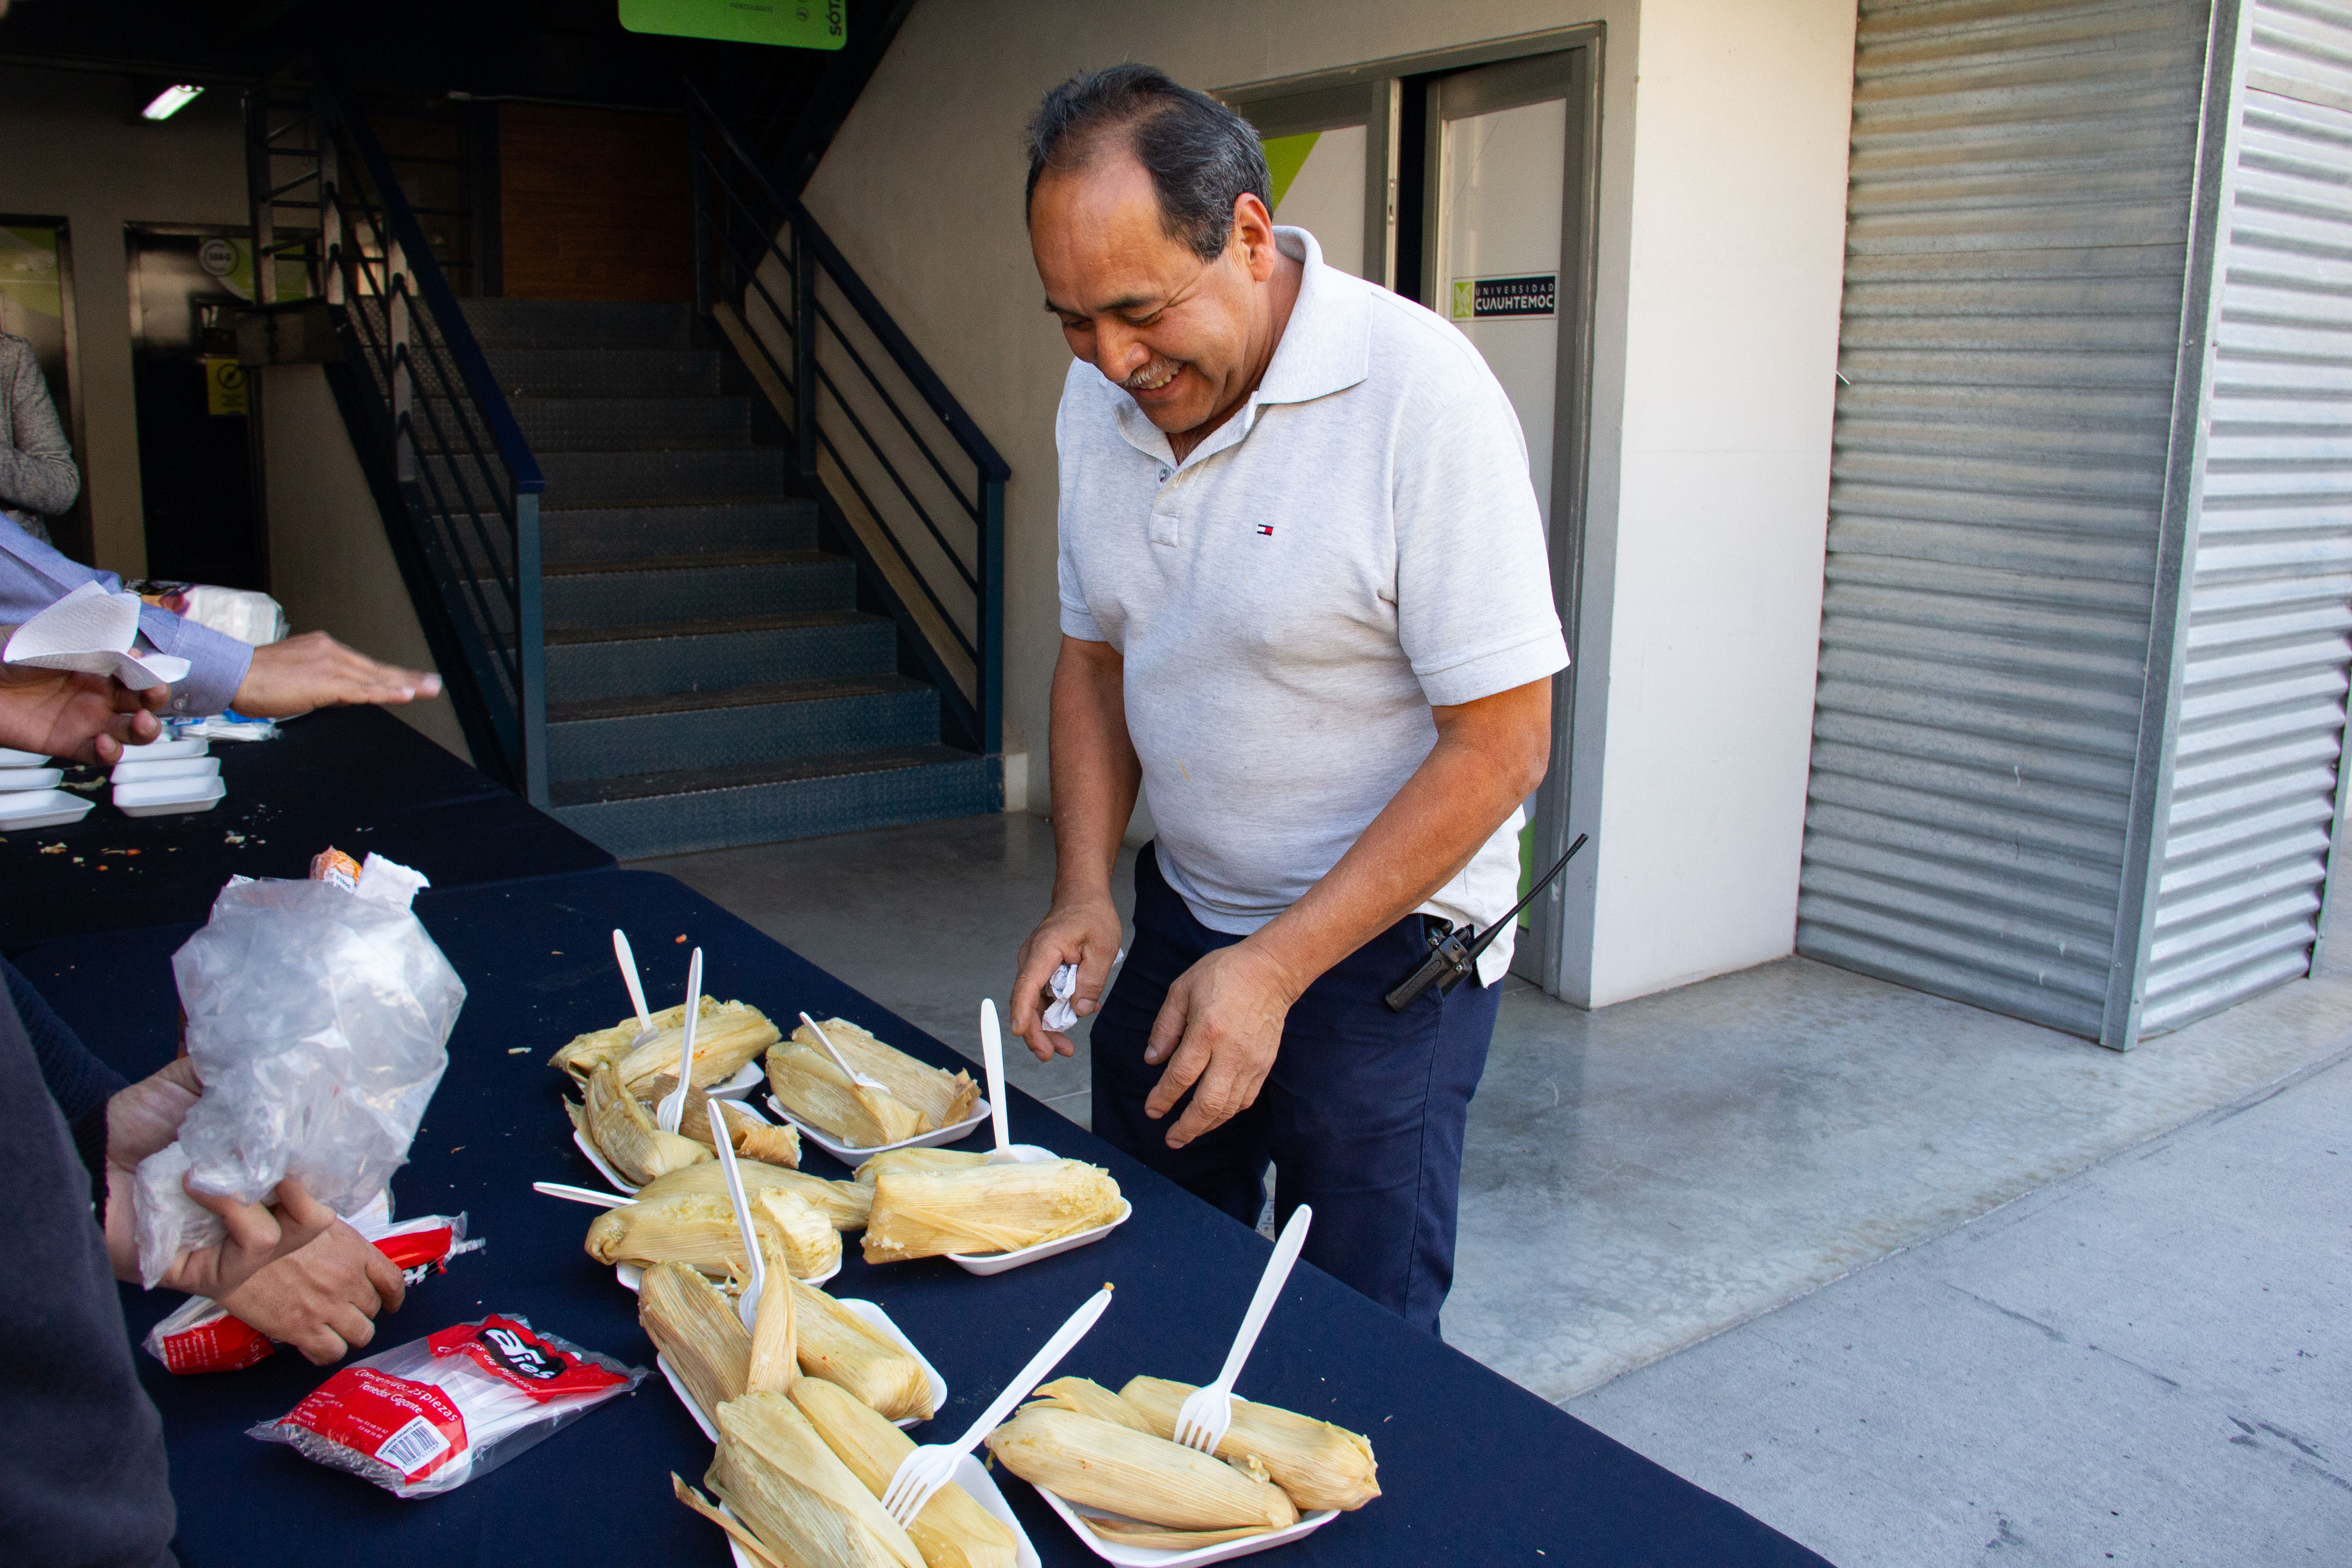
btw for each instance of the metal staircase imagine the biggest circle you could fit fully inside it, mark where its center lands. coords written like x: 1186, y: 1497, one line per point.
x: 669, y: 610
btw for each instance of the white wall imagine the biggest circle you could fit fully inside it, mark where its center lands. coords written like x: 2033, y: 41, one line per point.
x: 1721, y: 231
x: 330, y: 562
x: 70, y: 145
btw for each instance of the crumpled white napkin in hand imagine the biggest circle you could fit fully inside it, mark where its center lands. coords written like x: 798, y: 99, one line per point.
x: 1060, y: 1016
x: 92, y: 631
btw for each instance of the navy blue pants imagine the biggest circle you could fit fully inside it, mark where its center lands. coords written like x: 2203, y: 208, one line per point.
x: 1362, y: 1116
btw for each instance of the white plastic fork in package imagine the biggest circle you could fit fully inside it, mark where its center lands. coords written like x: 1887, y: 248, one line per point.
x: 317, y: 1020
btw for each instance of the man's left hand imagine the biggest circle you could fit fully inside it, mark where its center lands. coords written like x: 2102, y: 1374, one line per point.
x: 1219, y: 1031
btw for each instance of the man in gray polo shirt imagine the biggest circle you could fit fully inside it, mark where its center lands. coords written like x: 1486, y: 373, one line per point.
x: 1305, y: 607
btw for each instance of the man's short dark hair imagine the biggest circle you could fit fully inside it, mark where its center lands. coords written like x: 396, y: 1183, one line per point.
x: 1199, y: 155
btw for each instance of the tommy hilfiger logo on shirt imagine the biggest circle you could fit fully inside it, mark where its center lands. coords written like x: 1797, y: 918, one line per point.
x: 1267, y: 529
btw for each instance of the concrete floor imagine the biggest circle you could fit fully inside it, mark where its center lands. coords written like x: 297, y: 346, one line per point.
x: 1664, y: 1173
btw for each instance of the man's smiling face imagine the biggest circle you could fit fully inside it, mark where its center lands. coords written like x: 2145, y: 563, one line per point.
x: 1178, y: 334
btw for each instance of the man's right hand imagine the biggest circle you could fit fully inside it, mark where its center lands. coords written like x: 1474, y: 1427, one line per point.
x: 321, y: 1299
x: 1085, y: 932
x: 314, y: 670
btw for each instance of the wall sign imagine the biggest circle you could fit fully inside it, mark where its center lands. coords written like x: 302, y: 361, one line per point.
x: 793, y: 24
x: 1529, y: 297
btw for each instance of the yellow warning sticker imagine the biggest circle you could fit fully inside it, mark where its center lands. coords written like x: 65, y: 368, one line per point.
x: 224, y: 386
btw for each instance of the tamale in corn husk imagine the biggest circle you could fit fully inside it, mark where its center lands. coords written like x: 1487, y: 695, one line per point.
x: 1088, y: 1397
x: 984, y: 1208
x: 807, y: 1084
x: 942, y: 1096
x: 625, y: 1135
x: 697, y: 1332
x: 1320, y: 1465
x: 931, y: 1162
x: 726, y: 1036
x: 1128, y: 1472
x: 583, y: 1054
x: 753, y: 1136
x: 775, y: 1363
x: 953, y: 1531
x: 843, y: 1204
x: 778, y: 1477
x: 842, y: 1348
x: 698, y: 1230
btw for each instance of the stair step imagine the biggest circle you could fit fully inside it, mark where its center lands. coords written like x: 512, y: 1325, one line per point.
x: 602, y: 373
x: 585, y: 664
x: 747, y: 583
x: 758, y: 723
x: 677, y: 812
x: 580, y: 323
x: 633, y: 478
x: 570, y: 536
x: 613, y: 424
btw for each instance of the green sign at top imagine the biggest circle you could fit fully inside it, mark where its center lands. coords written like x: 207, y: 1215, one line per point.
x: 795, y: 24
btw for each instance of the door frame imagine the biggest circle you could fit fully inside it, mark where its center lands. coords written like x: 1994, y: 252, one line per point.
x: 1395, y: 98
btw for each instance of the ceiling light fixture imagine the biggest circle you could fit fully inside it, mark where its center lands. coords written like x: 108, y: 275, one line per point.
x: 170, y: 102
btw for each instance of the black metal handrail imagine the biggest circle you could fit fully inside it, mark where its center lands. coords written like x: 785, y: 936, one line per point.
x: 748, y: 235
x: 448, y: 439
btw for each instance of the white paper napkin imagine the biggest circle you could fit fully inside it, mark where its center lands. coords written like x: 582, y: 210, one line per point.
x: 91, y: 630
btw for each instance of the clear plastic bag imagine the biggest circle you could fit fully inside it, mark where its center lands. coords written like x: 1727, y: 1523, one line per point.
x: 318, y: 1019
x: 427, y: 1417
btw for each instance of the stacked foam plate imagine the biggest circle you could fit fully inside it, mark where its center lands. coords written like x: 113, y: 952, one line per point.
x: 29, y: 795
x: 165, y: 778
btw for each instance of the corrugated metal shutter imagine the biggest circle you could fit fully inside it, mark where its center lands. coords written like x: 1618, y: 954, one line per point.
x: 2017, y: 247
x: 2260, y: 725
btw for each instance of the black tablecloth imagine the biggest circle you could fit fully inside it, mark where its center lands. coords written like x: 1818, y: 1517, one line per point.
x: 356, y: 778
x: 1474, y: 1469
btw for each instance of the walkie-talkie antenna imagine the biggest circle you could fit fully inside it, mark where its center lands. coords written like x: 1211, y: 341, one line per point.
x: 1451, y: 960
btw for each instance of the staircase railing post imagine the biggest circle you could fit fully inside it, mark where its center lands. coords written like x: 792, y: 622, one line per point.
x: 991, y: 616
x: 804, y: 350
x: 530, y: 649
x: 260, y: 181
x: 404, y: 387
x: 701, y: 205
x: 331, y: 213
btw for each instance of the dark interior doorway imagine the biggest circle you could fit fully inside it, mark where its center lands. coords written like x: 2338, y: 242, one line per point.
x: 195, y: 464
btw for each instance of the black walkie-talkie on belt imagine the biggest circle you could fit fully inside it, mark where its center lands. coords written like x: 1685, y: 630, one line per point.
x: 1452, y: 959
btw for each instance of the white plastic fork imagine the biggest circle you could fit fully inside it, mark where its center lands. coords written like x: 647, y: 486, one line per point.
x: 859, y: 1079
x: 921, y: 1474
x: 992, y: 1061
x: 747, y: 1306
x: 673, y: 1105
x: 626, y: 957
x: 1203, y: 1420
x: 589, y: 1195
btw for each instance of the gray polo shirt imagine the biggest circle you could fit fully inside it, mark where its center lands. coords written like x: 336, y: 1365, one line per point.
x: 1357, y: 544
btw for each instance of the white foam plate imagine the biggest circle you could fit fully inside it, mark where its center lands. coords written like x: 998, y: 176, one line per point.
x: 168, y: 798
x: 15, y: 759
x: 852, y: 1156
x: 747, y: 1076
x: 41, y: 808
x: 27, y: 778
x: 633, y: 1277
x: 164, y: 751
x: 874, y: 1315
x: 127, y: 771
x: 1159, y: 1556
x: 972, y: 1477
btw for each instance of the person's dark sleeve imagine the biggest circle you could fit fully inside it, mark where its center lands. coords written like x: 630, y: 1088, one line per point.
x: 37, y: 467
x: 76, y: 1080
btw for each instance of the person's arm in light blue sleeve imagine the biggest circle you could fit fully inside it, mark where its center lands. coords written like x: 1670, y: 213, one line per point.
x: 216, y: 662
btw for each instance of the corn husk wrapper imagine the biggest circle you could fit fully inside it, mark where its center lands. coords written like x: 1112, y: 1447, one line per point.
x: 953, y: 1531
x: 774, y: 1362
x: 754, y: 1137
x: 1133, y: 1473
x: 944, y: 1098
x: 843, y: 1204
x: 928, y: 1162
x: 1320, y: 1465
x: 583, y: 1054
x: 842, y: 1348
x: 807, y: 1084
x: 698, y: 1230
x: 1126, y: 1532
x: 695, y: 1327
x: 727, y: 1035
x: 1088, y: 1397
x: 779, y: 1477
x: 984, y: 1208
x: 627, y: 1135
